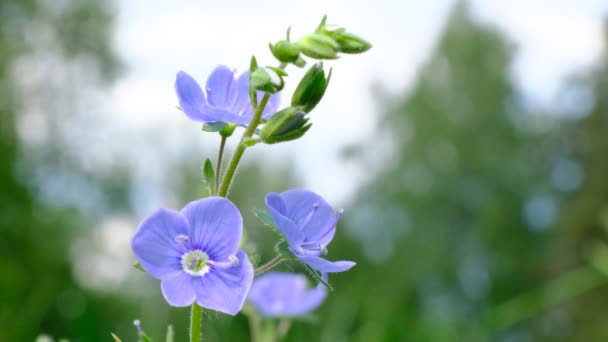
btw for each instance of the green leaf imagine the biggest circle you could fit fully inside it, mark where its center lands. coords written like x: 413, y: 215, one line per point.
x: 209, y: 176
x: 214, y: 126
x: 316, y: 276
x: 170, y: 334
x: 116, y: 339
x: 282, y: 248
x: 145, y: 338
x: 265, y: 218
x: 139, y: 266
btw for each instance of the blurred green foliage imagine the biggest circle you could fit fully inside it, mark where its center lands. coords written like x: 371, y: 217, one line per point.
x: 481, y: 220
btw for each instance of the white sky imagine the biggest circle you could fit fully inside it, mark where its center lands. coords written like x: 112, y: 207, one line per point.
x: 158, y: 38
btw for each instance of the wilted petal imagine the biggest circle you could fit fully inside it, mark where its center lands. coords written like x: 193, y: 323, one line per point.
x: 278, y: 210
x: 178, y: 290
x: 154, y: 243
x: 190, y: 96
x: 216, y: 226
x: 323, y: 265
x: 221, y: 87
x: 225, y: 290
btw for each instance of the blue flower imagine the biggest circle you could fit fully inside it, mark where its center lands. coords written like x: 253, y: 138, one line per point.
x: 226, y: 98
x: 309, y: 224
x: 276, y: 294
x: 195, y: 254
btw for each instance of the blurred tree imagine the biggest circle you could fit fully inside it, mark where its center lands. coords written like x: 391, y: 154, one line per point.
x: 459, y: 212
x: 37, y: 290
x: 583, y: 225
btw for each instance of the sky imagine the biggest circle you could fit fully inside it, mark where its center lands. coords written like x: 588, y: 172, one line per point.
x: 155, y: 39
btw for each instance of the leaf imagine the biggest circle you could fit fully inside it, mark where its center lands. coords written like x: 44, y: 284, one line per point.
x: 265, y: 218
x: 116, y: 339
x: 209, y: 176
x: 215, y: 126
x: 139, y: 266
x: 170, y: 334
x: 144, y: 337
x: 282, y: 248
x: 316, y: 275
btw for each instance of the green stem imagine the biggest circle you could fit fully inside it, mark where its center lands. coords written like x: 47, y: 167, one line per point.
x: 269, y: 265
x: 218, y: 166
x: 255, y: 323
x: 236, y: 158
x: 196, y: 319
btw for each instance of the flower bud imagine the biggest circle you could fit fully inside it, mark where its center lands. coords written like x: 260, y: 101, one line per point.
x: 318, y: 46
x: 349, y: 43
x: 266, y: 80
x: 285, y: 51
x: 288, y: 124
x: 311, y: 88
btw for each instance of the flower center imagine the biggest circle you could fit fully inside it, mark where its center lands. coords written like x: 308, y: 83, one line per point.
x: 195, y: 262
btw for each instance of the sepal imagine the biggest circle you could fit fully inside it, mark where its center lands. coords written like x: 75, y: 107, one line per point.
x: 286, y: 125
x: 311, y: 88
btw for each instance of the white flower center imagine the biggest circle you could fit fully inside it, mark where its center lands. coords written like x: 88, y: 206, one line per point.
x: 195, y: 262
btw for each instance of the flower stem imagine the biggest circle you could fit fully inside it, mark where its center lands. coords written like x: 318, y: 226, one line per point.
x: 269, y: 265
x: 236, y: 158
x: 196, y: 318
x: 218, y: 166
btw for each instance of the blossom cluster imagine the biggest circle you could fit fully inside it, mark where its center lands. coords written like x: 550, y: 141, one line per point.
x: 195, y: 252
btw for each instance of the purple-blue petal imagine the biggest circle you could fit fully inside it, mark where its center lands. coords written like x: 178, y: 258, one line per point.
x: 272, y: 106
x: 216, y: 226
x: 324, y: 266
x: 178, y: 290
x: 300, y: 206
x: 221, y: 88
x: 276, y: 294
x: 242, y: 102
x: 278, y: 210
x: 225, y: 290
x: 154, y: 242
x: 219, y: 114
x: 190, y: 96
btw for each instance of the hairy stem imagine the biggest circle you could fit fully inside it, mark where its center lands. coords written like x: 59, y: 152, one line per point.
x: 236, y: 158
x: 218, y: 166
x: 269, y: 265
x: 196, y: 318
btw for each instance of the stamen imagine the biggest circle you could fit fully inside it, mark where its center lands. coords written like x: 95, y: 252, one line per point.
x: 233, y: 261
x: 315, y: 207
x: 323, y: 249
x: 137, y: 324
x: 181, y: 238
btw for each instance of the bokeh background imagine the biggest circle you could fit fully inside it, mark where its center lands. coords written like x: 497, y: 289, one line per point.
x: 469, y: 148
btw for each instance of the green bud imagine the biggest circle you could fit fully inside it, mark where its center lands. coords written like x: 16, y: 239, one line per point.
x: 227, y: 131
x: 349, y: 43
x: 285, y: 51
x: 266, y: 80
x: 311, y: 88
x: 288, y: 124
x: 300, y: 62
x: 318, y: 46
